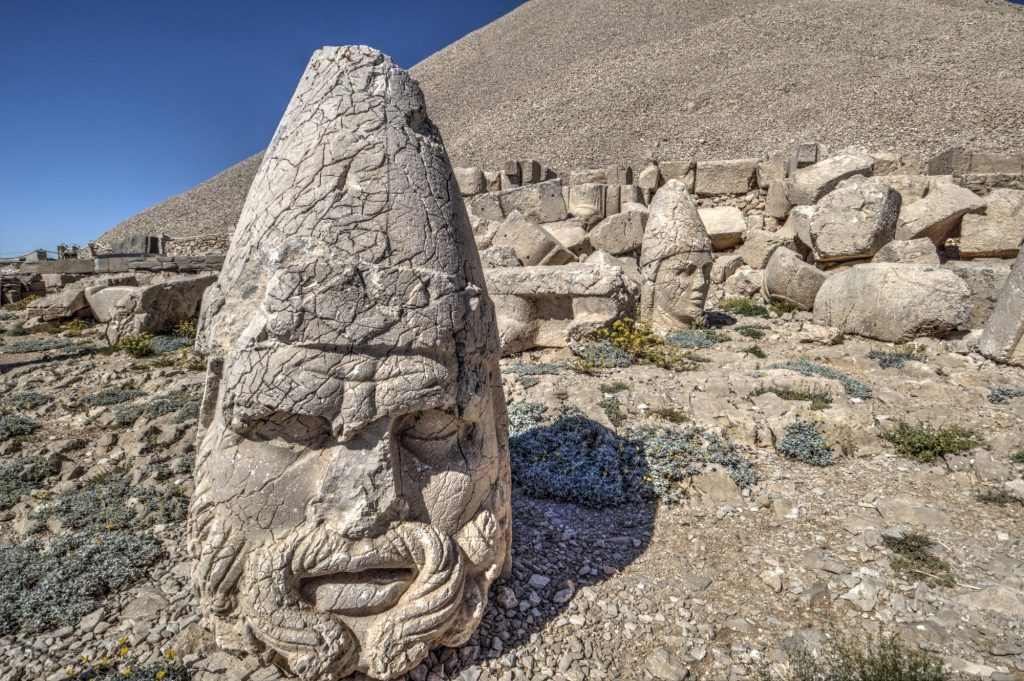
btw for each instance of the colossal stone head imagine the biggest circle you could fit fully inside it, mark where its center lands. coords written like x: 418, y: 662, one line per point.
x: 675, y: 260
x: 352, y: 483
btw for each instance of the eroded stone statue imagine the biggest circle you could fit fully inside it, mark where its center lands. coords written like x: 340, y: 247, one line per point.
x: 352, y: 492
x: 675, y: 261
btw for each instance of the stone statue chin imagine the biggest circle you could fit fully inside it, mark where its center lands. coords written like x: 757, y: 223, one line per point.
x: 352, y: 485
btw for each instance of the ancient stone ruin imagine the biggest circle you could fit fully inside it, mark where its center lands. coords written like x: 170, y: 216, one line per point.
x: 353, y: 388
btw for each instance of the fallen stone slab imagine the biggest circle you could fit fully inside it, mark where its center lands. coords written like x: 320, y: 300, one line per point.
x: 736, y: 176
x: 587, y: 202
x: 788, y: 278
x: 920, y: 251
x: 572, y: 235
x: 546, y: 307
x: 471, y: 181
x: 1001, y: 339
x: 532, y: 243
x: 854, y: 221
x: 621, y: 233
x: 938, y: 213
x: 807, y: 185
x: 894, y: 302
x: 541, y: 202
x: 997, y: 233
x: 725, y: 225
x: 158, y: 307
x: 759, y: 244
x: 59, y: 305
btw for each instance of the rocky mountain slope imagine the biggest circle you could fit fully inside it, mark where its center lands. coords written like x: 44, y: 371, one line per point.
x: 576, y: 83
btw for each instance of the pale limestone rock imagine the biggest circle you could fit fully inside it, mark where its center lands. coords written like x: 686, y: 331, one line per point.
x: 649, y: 178
x: 790, y: 279
x: 493, y: 179
x: 910, y: 187
x: 684, y: 171
x: 675, y: 260
x: 809, y: 184
x: 620, y: 234
x: 1001, y: 339
x: 572, y: 235
x: 745, y: 281
x: 546, y: 307
x: 588, y: 176
x: 612, y: 199
x: 532, y: 243
x: 999, y: 232
x: 586, y: 202
x: 541, y: 202
x: 59, y: 305
x: 628, y: 264
x: 759, y: 244
x: 353, y: 418
x: 724, y: 267
x: 735, y: 176
x: 103, y: 299
x: 854, y: 221
x: 894, y: 302
x: 156, y: 308
x: 530, y: 172
x: 920, y: 251
x: 619, y: 175
x: 938, y: 213
x: 986, y: 279
x: 725, y: 226
x: 771, y: 170
x: 471, y: 181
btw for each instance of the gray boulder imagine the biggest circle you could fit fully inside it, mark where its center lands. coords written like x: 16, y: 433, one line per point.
x: 532, y: 243
x: 999, y: 232
x: 807, y: 185
x: 59, y: 305
x: 621, y: 233
x: 790, y: 279
x: 541, y: 202
x: 919, y: 251
x: 158, y: 307
x: 1001, y: 339
x: 725, y: 226
x: 734, y: 176
x: 986, y: 279
x: 938, y: 213
x: 894, y: 302
x: 854, y: 221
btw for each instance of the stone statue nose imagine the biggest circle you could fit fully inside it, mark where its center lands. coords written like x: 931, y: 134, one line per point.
x: 360, y: 493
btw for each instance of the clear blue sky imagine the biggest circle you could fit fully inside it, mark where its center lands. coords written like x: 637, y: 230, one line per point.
x: 110, y: 106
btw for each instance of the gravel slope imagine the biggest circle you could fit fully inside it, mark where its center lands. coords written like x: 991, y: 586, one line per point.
x: 575, y: 83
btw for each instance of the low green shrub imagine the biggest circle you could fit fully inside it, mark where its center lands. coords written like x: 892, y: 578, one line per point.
x: 845, y: 658
x: 805, y: 441
x: 614, y: 387
x: 527, y: 374
x: 26, y: 400
x: 743, y: 306
x: 927, y: 445
x: 818, y: 397
x: 781, y: 307
x: 752, y: 331
x: 638, y: 341
x: 853, y: 387
x: 160, y: 345
x: 109, y: 396
x: 913, y: 556
x: 40, y: 345
x: 19, y: 305
x: 42, y: 588
x: 669, y: 414
x: 999, y: 497
x: 898, y: 356
x: 1002, y: 394
x: 1017, y: 457
x: 22, y: 475
x: 613, y: 410
x: 74, y: 327
x: 696, y: 339
x: 139, y: 345
x: 186, y: 328
x: 756, y: 351
x: 15, y: 425
x: 18, y: 330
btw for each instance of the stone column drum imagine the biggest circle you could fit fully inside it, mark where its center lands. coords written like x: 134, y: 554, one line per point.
x: 352, y: 482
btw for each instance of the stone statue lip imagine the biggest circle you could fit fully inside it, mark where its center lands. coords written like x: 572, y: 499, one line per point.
x: 357, y: 594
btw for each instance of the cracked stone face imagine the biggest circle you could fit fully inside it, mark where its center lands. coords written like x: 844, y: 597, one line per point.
x: 675, y: 261
x: 352, y: 492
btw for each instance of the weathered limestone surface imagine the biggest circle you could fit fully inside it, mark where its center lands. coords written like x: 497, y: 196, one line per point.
x: 153, y: 308
x: 675, y: 260
x: 894, y: 302
x: 854, y: 221
x: 725, y: 226
x: 586, y: 202
x: 999, y: 232
x: 546, y: 307
x: 59, y: 305
x: 807, y: 185
x: 920, y: 251
x: 986, y: 279
x: 938, y: 213
x: 352, y: 481
x: 532, y: 243
x: 789, y: 278
x: 621, y: 233
x: 1001, y: 339
x: 734, y: 176
x: 471, y: 181
x: 541, y: 202
x: 759, y: 244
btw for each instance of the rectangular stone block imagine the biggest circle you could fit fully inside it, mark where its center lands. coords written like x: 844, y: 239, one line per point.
x: 725, y: 177
x: 1001, y: 339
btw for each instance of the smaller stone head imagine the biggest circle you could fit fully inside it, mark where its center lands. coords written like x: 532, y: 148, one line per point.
x: 675, y: 261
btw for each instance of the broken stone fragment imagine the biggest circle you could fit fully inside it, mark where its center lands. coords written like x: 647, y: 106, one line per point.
x: 854, y: 221
x: 1001, y: 341
x: 790, y: 279
x: 937, y: 214
x: 809, y: 184
x: 725, y: 226
x: 734, y: 176
x: 999, y: 232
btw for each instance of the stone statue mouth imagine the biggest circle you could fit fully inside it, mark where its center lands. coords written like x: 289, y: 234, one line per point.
x: 357, y: 594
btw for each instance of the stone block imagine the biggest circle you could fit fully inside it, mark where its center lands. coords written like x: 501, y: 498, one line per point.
x: 725, y: 226
x: 735, y: 176
x: 998, y: 232
x: 1001, y: 341
x: 471, y: 181
x: 938, y: 214
x: 809, y: 184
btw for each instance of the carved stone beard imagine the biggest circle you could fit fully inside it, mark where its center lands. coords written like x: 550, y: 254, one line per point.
x: 443, y: 605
